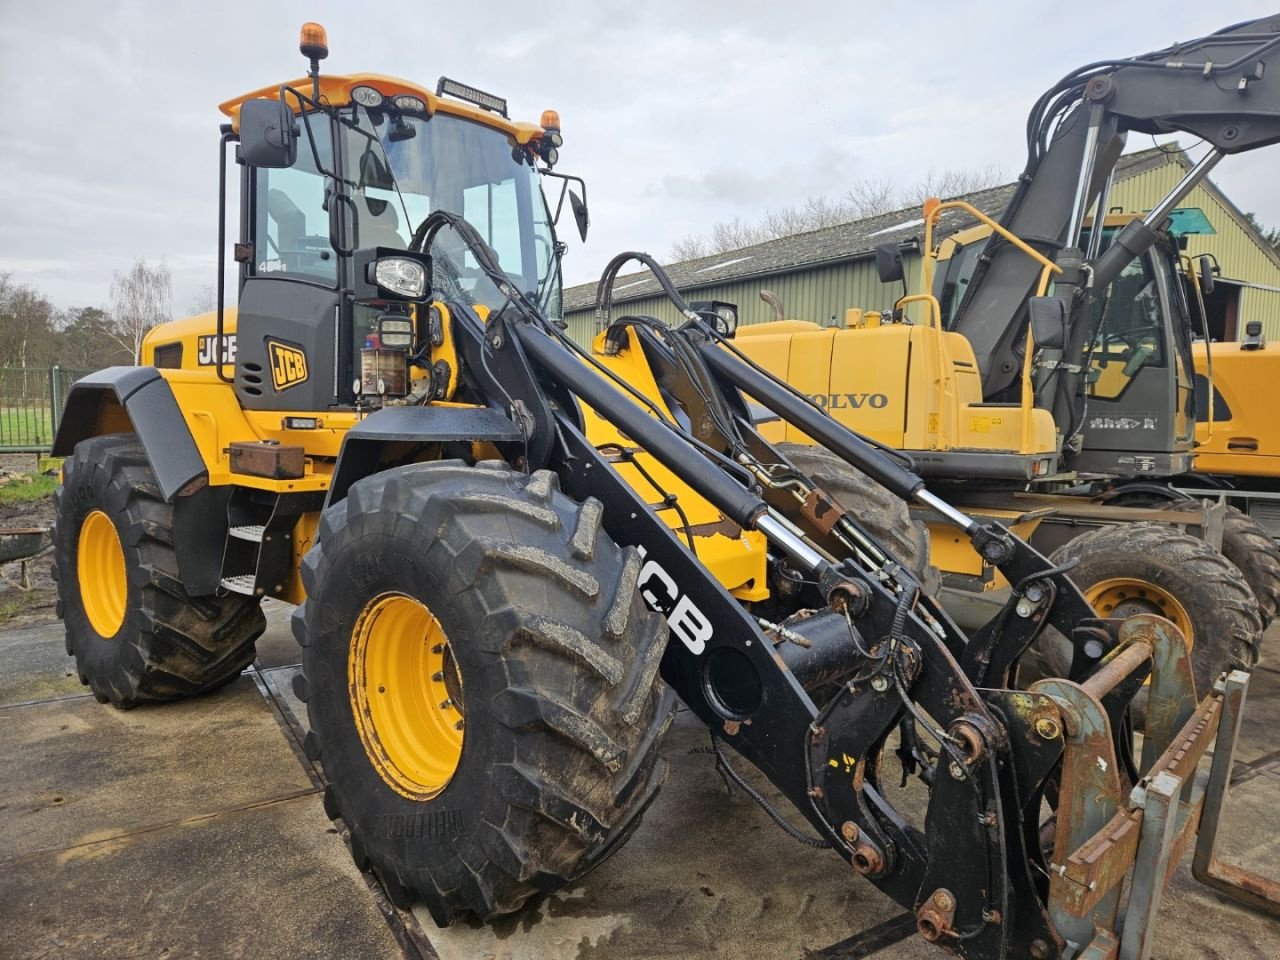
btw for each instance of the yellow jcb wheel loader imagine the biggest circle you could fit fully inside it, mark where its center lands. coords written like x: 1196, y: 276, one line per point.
x: 513, y: 554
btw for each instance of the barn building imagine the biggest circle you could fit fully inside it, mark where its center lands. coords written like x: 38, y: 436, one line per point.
x: 821, y: 274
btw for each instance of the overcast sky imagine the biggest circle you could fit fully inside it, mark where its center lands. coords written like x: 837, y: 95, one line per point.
x: 678, y: 114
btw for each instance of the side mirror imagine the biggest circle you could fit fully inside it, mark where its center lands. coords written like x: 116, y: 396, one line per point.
x: 1204, y: 270
x: 580, y: 215
x: 1048, y: 316
x: 267, y: 134
x: 889, y: 263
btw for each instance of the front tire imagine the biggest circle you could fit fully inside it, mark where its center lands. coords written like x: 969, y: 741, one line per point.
x: 521, y: 631
x: 135, y: 633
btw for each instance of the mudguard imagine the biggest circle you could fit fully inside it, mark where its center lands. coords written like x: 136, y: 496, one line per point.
x: 94, y: 407
x: 363, y: 447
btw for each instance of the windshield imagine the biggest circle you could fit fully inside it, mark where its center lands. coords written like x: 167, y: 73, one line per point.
x: 401, y: 167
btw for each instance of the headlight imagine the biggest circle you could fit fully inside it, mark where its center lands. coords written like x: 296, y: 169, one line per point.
x: 412, y: 104
x: 396, y: 332
x: 366, y: 97
x: 402, y: 277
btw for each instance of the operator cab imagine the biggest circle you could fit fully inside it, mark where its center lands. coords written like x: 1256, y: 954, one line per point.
x: 1139, y: 354
x: 332, y: 193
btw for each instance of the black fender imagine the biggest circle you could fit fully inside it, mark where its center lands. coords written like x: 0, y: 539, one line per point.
x: 140, y: 400
x: 95, y: 404
x: 390, y: 435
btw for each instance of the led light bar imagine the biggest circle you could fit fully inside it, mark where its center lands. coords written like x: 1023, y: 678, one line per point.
x: 452, y: 88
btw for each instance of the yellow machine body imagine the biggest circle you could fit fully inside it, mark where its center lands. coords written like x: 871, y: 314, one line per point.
x: 1244, y: 437
x: 911, y: 386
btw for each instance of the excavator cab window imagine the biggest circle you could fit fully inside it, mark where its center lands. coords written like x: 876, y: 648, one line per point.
x: 1128, y: 330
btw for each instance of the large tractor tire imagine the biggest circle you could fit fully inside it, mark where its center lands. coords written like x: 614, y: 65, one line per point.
x: 133, y: 630
x: 481, y: 678
x: 1132, y: 568
x: 1246, y: 543
x: 884, y: 515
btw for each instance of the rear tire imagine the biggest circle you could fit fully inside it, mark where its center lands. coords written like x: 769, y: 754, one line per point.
x: 884, y: 514
x: 1154, y: 568
x: 135, y: 633
x: 556, y: 685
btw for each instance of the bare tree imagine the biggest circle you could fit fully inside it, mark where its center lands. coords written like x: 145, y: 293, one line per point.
x: 869, y: 197
x: 26, y: 325
x: 140, y: 299
x: 205, y: 299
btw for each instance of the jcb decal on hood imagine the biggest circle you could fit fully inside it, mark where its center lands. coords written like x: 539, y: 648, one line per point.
x: 288, y: 365
x: 207, y: 350
x: 658, y: 589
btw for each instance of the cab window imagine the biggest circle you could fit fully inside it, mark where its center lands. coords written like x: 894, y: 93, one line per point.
x: 291, y: 225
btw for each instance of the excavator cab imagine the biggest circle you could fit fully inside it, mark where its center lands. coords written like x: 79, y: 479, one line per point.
x: 1139, y: 405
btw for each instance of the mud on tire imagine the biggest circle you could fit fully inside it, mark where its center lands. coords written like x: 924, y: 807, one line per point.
x: 558, y: 659
x: 1246, y: 543
x: 169, y: 645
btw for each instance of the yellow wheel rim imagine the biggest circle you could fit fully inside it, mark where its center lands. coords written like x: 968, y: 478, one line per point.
x: 1124, y: 597
x: 406, y: 695
x: 104, y: 582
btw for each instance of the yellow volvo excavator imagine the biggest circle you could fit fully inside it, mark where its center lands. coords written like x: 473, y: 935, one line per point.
x: 1044, y: 373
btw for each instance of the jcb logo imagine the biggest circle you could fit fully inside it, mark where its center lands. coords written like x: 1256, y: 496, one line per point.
x: 850, y: 401
x: 288, y: 365
x: 207, y: 354
x: 659, y: 590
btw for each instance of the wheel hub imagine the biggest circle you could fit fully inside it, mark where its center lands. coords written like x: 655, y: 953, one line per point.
x: 406, y: 695
x: 1122, y: 597
x: 102, y: 574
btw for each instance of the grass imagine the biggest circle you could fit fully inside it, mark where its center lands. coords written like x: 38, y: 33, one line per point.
x: 13, y: 606
x: 20, y: 492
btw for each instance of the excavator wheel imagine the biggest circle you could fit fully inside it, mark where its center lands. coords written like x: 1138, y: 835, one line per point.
x: 1245, y: 542
x: 1248, y: 545
x: 885, y: 515
x: 133, y: 630
x: 481, y: 679
x: 1132, y: 568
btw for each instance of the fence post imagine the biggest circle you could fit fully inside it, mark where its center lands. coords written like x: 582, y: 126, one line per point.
x: 55, y: 395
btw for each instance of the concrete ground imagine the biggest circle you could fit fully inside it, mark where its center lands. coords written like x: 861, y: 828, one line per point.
x: 196, y: 830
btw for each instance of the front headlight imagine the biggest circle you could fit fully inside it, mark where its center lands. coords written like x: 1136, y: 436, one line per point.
x: 401, y: 276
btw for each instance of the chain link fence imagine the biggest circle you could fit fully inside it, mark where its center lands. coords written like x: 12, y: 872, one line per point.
x: 31, y: 404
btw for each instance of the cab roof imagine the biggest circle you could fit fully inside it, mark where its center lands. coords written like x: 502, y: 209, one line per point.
x: 336, y: 91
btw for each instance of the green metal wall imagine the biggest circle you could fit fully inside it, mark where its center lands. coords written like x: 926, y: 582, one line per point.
x: 808, y: 294
x: 1237, y: 253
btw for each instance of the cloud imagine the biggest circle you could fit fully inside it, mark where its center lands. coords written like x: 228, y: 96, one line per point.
x: 678, y: 114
